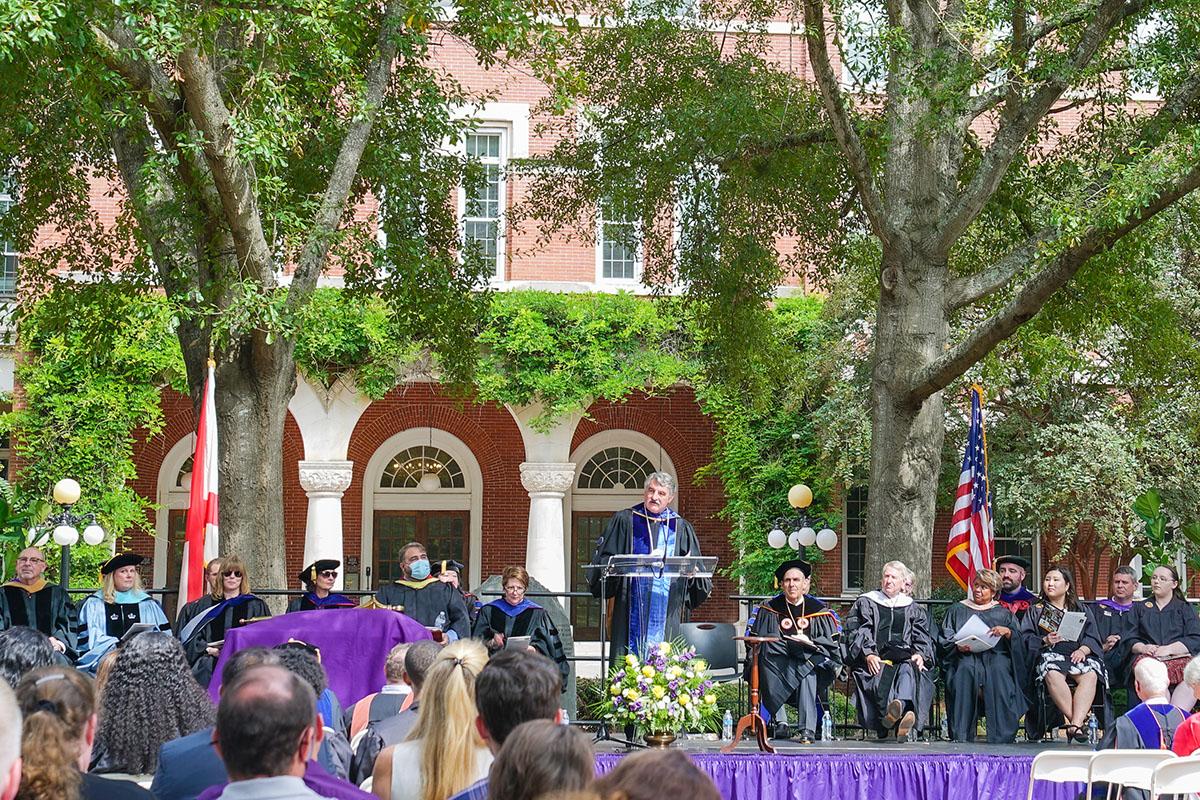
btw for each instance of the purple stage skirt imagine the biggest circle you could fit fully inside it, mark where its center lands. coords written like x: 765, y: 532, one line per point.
x: 867, y: 776
x: 354, y: 644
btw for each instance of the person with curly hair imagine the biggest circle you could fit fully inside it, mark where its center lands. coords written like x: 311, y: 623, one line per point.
x: 120, y: 603
x: 150, y: 698
x: 23, y: 649
x: 56, y: 744
x: 444, y: 753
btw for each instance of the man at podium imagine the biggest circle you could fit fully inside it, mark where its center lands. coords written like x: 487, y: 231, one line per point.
x: 648, y: 610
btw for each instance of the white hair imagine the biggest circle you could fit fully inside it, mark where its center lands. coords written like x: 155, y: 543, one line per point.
x: 1191, y: 673
x: 663, y: 479
x: 899, y: 566
x: 1151, y: 676
x: 10, y: 729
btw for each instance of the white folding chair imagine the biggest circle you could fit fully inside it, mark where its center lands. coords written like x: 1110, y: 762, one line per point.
x: 1177, y: 776
x: 1134, y: 768
x: 1059, y: 767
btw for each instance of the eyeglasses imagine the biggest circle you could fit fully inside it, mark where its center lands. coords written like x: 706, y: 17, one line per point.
x: 516, y: 587
x: 29, y: 560
x: 328, y: 573
x: 232, y: 573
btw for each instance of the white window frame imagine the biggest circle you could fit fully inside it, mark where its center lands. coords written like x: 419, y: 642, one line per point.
x: 636, y: 280
x: 501, y: 162
x: 6, y: 202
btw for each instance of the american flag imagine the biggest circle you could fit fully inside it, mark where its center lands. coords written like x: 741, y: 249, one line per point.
x: 972, y: 542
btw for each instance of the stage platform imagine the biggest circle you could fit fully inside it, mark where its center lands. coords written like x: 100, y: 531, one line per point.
x: 859, y: 770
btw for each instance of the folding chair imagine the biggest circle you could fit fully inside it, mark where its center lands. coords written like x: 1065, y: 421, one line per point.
x: 714, y: 643
x: 1059, y: 767
x: 1134, y: 768
x: 1177, y: 776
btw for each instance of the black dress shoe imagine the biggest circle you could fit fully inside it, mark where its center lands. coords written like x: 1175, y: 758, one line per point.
x: 804, y: 737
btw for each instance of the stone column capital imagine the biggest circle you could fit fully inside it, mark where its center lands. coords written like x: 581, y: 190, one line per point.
x: 326, y: 478
x: 544, y: 477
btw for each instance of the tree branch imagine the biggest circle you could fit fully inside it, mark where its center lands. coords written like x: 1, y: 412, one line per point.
x: 1019, y: 123
x: 1038, y: 290
x: 843, y: 128
x: 972, y: 288
x: 341, y: 180
x: 233, y: 178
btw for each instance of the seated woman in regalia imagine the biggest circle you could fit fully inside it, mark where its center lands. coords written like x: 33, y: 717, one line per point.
x: 214, y: 615
x: 318, y: 579
x: 118, y: 605
x: 798, y: 668
x: 514, y: 615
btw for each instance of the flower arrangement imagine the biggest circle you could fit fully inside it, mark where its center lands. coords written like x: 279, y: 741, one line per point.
x: 665, y: 692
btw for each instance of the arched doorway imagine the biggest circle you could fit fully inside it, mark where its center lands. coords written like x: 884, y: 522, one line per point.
x: 174, y: 485
x: 421, y: 485
x: 610, y: 472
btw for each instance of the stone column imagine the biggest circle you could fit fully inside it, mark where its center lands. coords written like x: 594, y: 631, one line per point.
x: 546, y: 545
x: 325, y: 482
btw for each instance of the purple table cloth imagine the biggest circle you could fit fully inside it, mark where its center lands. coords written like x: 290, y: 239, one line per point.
x: 869, y: 776
x: 354, y: 643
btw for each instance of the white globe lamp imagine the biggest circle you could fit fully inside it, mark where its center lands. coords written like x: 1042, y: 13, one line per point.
x: 807, y: 536
x: 826, y: 539
x: 66, y: 492
x: 794, y: 540
x: 65, y: 536
x: 776, y: 538
x: 93, y: 534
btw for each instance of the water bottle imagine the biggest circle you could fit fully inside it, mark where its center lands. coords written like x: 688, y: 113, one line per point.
x: 440, y: 622
x: 826, y: 728
x: 1093, y: 733
x: 945, y: 730
x: 727, y: 726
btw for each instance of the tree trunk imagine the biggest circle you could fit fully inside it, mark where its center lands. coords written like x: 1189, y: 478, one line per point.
x: 254, y: 385
x: 906, y: 440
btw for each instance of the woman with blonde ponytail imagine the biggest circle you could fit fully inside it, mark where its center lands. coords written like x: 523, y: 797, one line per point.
x: 444, y: 753
x: 58, y: 706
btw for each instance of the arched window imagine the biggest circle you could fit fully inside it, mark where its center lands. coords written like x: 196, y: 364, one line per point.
x: 615, y: 469
x: 407, y: 467
x: 184, y: 478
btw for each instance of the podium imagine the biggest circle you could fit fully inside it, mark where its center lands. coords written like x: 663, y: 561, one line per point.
x: 641, y: 565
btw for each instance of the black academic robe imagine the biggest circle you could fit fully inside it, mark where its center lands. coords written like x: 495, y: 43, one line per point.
x: 430, y: 602
x: 784, y: 665
x: 874, y: 628
x: 196, y: 646
x: 48, y: 610
x: 1174, y: 622
x: 1037, y: 722
x: 990, y: 683
x: 1111, y: 621
x: 533, y: 621
x: 618, y: 539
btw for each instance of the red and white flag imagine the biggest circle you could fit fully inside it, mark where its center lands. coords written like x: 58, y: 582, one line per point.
x: 200, y: 542
x: 972, y: 543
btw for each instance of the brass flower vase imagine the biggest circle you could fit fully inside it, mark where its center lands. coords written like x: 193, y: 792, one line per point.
x: 659, y: 740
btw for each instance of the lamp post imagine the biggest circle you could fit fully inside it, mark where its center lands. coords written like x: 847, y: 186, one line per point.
x: 65, y: 525
x: 802, y: 524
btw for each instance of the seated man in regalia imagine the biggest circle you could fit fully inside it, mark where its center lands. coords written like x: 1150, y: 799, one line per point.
x: 807, y: 656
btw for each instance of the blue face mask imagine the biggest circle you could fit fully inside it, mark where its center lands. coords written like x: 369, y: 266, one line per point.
x: 419, y: 569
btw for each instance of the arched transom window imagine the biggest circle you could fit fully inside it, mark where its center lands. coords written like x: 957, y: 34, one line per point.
x: 407, y: 467
x: 615, y: 468
x: 184, y: 479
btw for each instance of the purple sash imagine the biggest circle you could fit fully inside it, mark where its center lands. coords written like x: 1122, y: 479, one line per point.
x: 1148, y: 720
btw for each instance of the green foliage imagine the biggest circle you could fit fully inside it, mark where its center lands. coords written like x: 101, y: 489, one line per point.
x: 1163, y: 541
x: 564, y: 351
x: 98, y: 358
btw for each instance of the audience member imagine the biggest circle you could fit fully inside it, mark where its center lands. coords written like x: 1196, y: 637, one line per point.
x: 444, y: 753
x: 436, y: 605
x: 305, y: 660
x: 1187, y: 735
x: 516, y: 615
x: 514, y: 688
x: 395, y: 696
x: 889, y: 650
x: 119, y: 604
x: 59, y: 731
x: 266, y: 727
x: 150, y: 698
x: 541, y: 756
x: 653, y: 775
x: 395, y: 729
x: 1167, y: 629
x: 29, y: 600
x: 212, y: 615
x: 10, y: 743
x: 1062, y: 663
x: 1151, y: 724
x: 22, y: 649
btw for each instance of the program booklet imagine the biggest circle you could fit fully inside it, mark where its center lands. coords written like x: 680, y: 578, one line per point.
x: 976, y: 635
